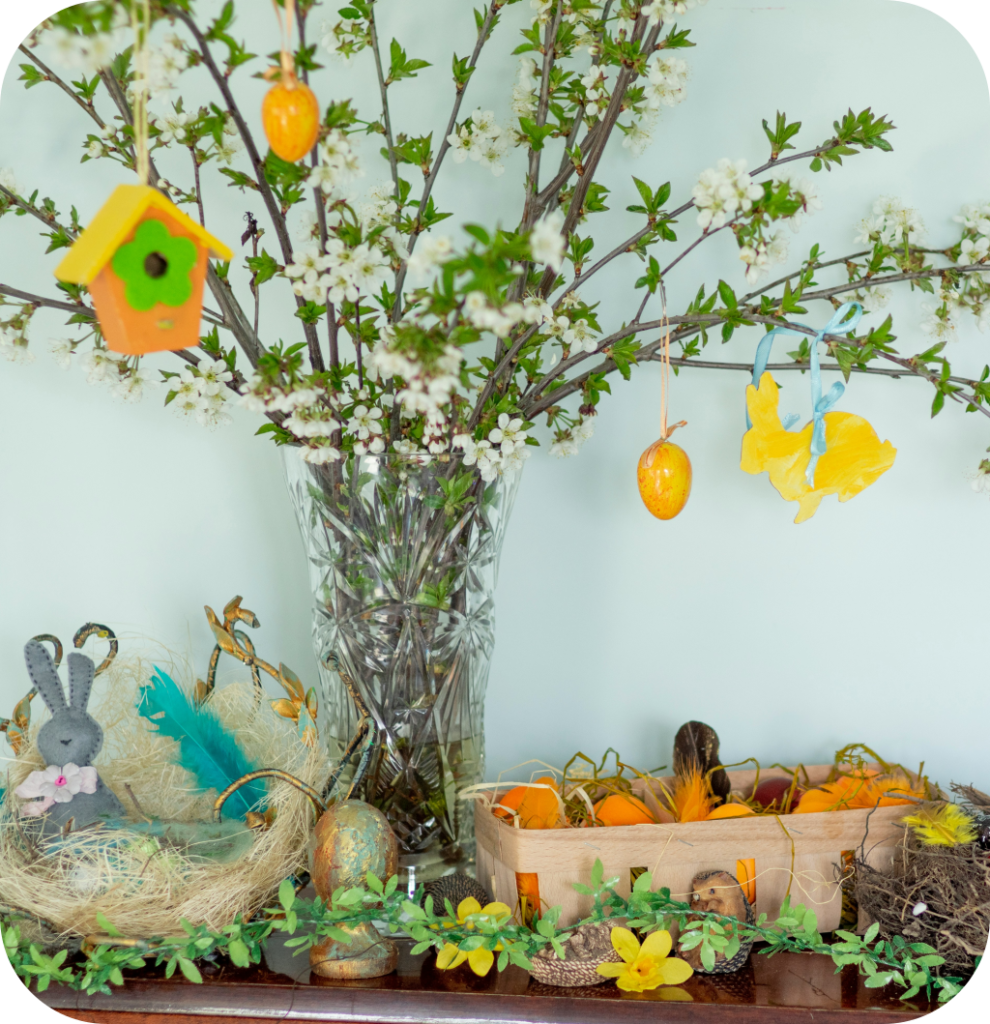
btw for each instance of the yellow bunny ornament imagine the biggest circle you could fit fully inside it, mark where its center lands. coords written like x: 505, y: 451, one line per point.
x: 854, y: 457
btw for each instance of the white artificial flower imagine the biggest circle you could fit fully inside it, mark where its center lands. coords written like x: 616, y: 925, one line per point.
x: 69, y: 47
x: 723, y: 192
x: 307, y: 263
x: 874, y: 299
x: 564, y: 447
x: 430, y: 251
x: 580, y: 337
x: 164, y: 67
x: 524, y: 92
x: 14, y: 347
x: 367, y: 267
x: 173, y: 127
x: 8, y: 180
x: 211, y: 412
x: 973, y: 252
x: 228, y: 148
x: 899, y: 221
x: 213, y: 374
x: 61, y: 350
x: 543, y: 9
x: 975, y: 218
x: 546, y: 243
x: 364, y: 421
x: 805, y: 191
x: 319, y: 456
x: 585, y: 429
x: 508, y: 434
x: 666, y: 82
x: 639, y: 135
x: 555, y: 327
x: 101, y: 364
x: 595, y: 91
x: 99, y: 53
x: 131, y: 387
x: 512, y: 461
x: 939, y: 325
x: 95, y: 148
x: 659, y: 10
x: 536, y: 309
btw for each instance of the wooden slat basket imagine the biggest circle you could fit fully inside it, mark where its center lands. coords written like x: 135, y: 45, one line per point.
x: 799, y: 853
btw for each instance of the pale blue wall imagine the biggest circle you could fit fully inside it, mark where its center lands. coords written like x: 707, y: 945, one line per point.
x: 866, y: 623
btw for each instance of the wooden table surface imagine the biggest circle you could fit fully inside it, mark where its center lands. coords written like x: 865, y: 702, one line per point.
x: 785, y: 988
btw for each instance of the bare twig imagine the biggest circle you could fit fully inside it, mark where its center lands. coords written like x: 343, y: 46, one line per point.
x: 530, y: 210
x: 64, y: 86
x: 40, y: 300
x: 383, y: 89
x: 199, y: 192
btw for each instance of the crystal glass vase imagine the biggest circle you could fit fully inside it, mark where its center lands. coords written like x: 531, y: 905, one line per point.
x: 403, y: 555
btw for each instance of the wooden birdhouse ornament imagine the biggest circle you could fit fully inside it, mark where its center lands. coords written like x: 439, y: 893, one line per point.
x: 144, y: 263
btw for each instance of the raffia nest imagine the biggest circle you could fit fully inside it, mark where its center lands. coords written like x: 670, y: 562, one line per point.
x: 143, y: 886
x: 953, y: 883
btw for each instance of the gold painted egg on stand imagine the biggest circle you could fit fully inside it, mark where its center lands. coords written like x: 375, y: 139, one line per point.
x: 353, y: 838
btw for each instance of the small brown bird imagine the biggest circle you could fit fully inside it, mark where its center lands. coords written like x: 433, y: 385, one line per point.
x: 696, y: 745
x: 718, y: 892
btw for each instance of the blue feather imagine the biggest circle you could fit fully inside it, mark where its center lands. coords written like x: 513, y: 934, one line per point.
x: 206, y: 749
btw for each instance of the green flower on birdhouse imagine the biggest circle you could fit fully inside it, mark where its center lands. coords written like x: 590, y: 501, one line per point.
x: 155, y: 267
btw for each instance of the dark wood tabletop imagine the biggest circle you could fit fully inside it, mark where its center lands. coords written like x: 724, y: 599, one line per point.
x: 785, y: 988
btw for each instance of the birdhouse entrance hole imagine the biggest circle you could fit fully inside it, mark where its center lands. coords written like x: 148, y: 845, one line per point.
x: 155, y: 265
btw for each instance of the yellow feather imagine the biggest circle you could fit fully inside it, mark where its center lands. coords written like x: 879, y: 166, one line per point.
x: 948, y: 826
x: 692, y: 797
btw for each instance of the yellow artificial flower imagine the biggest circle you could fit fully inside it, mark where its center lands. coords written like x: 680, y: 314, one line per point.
x: 645, y: 966
x: 480, y: 960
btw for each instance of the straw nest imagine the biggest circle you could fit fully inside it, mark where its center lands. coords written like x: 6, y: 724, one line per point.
x: 146, y: 885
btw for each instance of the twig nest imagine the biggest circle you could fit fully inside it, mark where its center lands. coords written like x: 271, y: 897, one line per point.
x: 586, y: 948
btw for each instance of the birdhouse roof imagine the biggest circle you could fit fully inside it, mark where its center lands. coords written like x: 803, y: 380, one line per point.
x: 114, y: 222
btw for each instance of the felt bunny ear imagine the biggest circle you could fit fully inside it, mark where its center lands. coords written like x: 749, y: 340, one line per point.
x: 81, y: 674
x: 45, y: 679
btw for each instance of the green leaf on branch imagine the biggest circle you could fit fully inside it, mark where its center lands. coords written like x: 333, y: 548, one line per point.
x: 780, y: 134
x: 403, y: 66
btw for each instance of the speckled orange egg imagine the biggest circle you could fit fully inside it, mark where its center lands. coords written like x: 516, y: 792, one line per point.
x: 291, y: 118
x: 664, y: 477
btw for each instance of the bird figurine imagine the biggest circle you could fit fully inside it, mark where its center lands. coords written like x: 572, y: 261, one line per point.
x: 718, y: 892
x: 854, y: 457
x: 696, y: 746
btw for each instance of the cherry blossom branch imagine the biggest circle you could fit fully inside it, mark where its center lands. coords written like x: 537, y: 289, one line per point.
x: 656, y: 356
x: 271, y: 205
x: 45, y: 218
x: 748, y: 313
x: 442, y: 152
x: 50, y: 76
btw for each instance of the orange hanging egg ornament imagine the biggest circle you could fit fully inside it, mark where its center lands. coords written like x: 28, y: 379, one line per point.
x: 664, y: 477
x: 290, y: 113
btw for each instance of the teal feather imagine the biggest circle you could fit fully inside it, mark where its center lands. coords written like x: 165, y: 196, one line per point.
x: 207, y: 750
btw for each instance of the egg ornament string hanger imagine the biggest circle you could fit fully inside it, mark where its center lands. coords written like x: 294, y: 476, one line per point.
x: 664, y: 470
x: 290, y: 111
x: 834, y: 453
x: 141, y: 258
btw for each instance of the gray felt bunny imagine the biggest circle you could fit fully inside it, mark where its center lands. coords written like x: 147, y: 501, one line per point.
x: 69, y: 788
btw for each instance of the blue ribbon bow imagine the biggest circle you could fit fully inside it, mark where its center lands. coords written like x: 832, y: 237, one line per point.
x: 820, y: 404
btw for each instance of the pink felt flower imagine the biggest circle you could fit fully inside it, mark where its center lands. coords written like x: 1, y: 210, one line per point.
x: 55, y: 785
